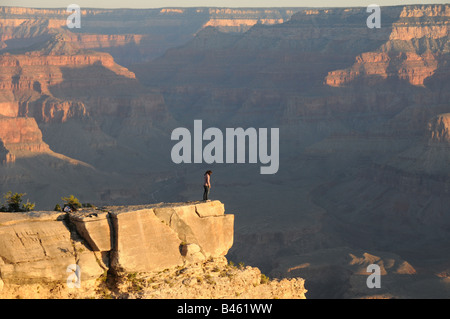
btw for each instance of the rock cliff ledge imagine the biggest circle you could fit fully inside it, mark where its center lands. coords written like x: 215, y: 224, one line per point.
x: 161, y: 250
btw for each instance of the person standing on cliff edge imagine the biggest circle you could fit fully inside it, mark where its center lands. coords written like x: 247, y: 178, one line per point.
x: 207, y: 185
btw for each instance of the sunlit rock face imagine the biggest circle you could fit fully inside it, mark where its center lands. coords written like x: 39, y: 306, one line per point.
x: 173, y: 250
x: 127, y: 239
x: 412, y: 52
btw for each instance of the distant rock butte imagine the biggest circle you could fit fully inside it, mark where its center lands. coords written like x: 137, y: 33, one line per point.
x: 412, y: 67
x: 241, y: 20
x: 21, y: 137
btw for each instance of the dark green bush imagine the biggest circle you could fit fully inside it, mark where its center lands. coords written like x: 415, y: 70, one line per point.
x: 13, y: 203
x: 72, y: 201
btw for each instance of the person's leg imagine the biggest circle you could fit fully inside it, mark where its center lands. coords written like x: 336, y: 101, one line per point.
x: 205, y: 192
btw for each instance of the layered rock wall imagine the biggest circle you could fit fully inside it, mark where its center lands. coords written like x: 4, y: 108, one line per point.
x: 412, y: 53
x: 140, y: 35
x: 18, y: 136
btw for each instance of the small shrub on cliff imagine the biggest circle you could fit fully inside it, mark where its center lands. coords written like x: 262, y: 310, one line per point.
x: 136, y: 283
x: 72, y: 201
x: 13, y: 203
x: 264, y: 279
x: 28, y: 207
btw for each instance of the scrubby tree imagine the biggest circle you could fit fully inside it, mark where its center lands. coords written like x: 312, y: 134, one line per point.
x: 28, y: 207
x: 13, y: 203
x: 72, y: 201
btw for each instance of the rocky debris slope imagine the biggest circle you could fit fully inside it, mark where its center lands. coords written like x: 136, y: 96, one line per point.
x: 214, y: 278
x: 148, y: 251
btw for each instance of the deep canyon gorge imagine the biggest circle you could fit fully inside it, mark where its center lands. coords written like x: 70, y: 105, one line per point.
x: 363, y: 117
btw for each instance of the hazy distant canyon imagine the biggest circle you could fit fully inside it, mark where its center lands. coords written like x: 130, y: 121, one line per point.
x: 364, y: 119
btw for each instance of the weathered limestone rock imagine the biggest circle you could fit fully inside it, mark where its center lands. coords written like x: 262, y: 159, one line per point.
x: 201, y: 223
x: 192, y: 253
x: 38, y: 247
x: 148, y: 241
x: 95, y: 228
x: 143, y: 242
x: 213, y: 208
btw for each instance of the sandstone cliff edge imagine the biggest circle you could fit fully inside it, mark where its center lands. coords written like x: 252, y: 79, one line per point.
x: 161, y: 250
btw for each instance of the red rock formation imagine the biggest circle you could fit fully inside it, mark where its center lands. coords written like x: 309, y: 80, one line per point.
x: 50, y: 109
x: 101, y: 41
x: 26, y: 79
x: 373, y: 66
x: 9, y: 108
x: 20, y: 136
x: 411, y: 53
